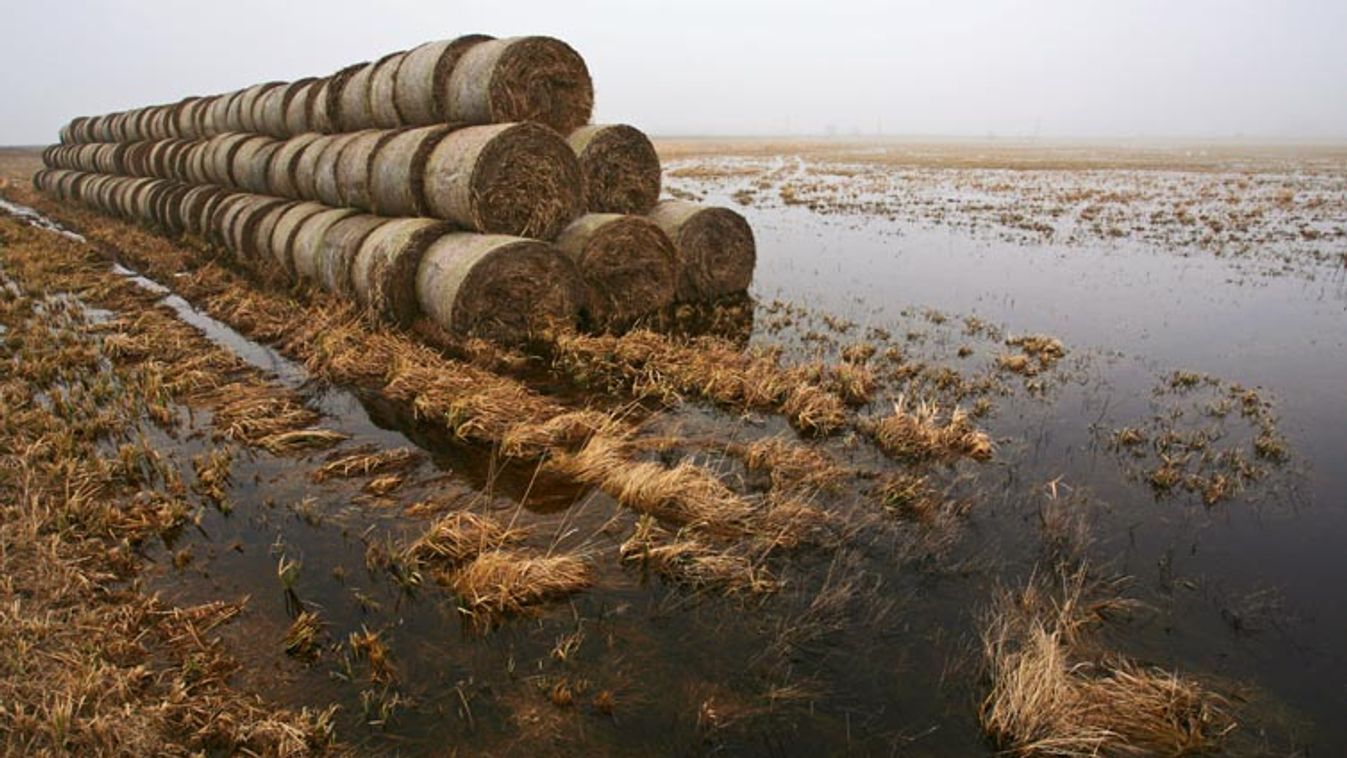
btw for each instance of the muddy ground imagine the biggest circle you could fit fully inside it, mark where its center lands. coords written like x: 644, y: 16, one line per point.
x: 1024, y: 361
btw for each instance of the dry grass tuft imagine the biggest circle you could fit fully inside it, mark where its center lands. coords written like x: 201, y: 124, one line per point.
x: 461, y: 536
x: 367, y: 463
x: 921, y: 434
x: 302, y: 639
x: 503, y: 582
x: 688, y: 560
x: 1052, y: 694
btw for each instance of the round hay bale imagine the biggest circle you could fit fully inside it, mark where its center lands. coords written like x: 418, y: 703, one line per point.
x: 194, y: 203
x: 220, y: 157
x: 185, y: 118
x: 309, y: 237
x: 627, y: 264
x: 715, y: 248
x: 250, y: 112
x: 619, y: 168
x: 221, y: 216
x: 383, y: 103
x: 497, y: 287
x: 395, y: 181
x: 270, y: 111
x: 422, y: 82
x: 250, y: 163
x: 281, y: 171
x: 336, y: 85
x: 353, y: 167
x: 339, y: 247
x: 260, y: 245
x: 305, y: 175
x: 319, y: 117
x: 383, y: 274
x: 243, y: 233
x: 196, y: 163
x: 521, y: 79
x: 297, y: 101
x: 519, y: 179
x: 283, y: 235
x: 233, y: 115
x: 325, y: 181
x: 353, y: 109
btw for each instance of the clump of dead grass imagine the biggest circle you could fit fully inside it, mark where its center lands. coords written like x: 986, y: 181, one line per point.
x: 503, y: 582
x: 686, y: 559
x: 923, y: 433
x: 366, y: 463
x: 461, y: 536
x: 1053, y: 692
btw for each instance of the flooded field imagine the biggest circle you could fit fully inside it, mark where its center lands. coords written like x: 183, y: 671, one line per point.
x: 988, y: 409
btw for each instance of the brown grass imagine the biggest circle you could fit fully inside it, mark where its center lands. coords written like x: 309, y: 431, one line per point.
x: 922, y: 433
x: 1054, y: 693
x: 691, y: 561
x: 366, y: 463
x: 461, y: 536
x: 504, y: 582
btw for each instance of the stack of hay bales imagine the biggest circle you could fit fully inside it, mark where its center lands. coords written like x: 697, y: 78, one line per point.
x: 459, y: 180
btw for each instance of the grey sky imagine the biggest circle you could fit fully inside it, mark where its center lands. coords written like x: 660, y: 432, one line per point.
x: 1156, y: 68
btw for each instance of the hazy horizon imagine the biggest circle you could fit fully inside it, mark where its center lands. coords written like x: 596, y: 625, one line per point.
x: 1050, y: 69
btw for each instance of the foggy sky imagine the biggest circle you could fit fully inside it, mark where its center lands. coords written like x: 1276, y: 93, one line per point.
x: 1154, y: 68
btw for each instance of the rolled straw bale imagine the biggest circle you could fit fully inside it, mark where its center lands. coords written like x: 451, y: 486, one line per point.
x: 496, y: 286
x: 619, y: 168
x: 353, y: 110
x: 353, y: 167
x: 521, y: 79
x: 337, y: 252
x: 251, y: 161
x: 283, y: 236
x: 250, y: 112
x: 281, y: 170
x: 421, y: 85
x: 233, y: 115
x: 309, y: 237
x: 221, y: 216
x: 383, y: 273
x: 260, y: 244
x: 336, y: 86
x: 196, y: 163
x: 305, y: 175
x: 397, y: 169
x: 220, y: 156
x: 297, y: 100
x: 325, y: 180
x: 243, y: 233
x: 714, y: 246
x: 519, y: 179
x: 627, y: 264
x: 192, y: 205
x: 383, y: 104
x: 185, y: 118
x: 269, y: 111
x: 319, y: 117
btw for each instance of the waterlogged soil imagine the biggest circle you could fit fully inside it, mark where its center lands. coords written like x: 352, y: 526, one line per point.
x: 869, y: 646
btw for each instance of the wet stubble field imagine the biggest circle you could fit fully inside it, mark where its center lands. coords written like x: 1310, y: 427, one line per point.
x: 1012, y: 447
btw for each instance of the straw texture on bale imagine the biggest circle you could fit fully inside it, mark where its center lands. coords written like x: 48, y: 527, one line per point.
x: 538, y: 79
x: 339, y: 247
x: 714, y: 248
x: 383, y: 273
x: 336, y: 86
x: 305, y: 174
x: 353, y: 167
x: 298, y: 97
x: 496, y: 286
x: 283, y: 236
x: 619, y: 168
x: 250, y: 162
x: 259, y: 246
x: 284, y: 162
x: 353, y: 111
x: 383, y: 103
x: 397, y: 168
x: 421, y: 85
x: 626, y: 263
x: 309, y: 238
x: 519, y: 179
x: 326, y: 188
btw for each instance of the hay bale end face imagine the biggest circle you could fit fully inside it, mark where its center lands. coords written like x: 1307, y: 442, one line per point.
x: 497, y: 287
x: 538, y: 79
x: 383, y: 273
x: 627, y: 264
x: 619, y: 168
x: 518, y: 179
x: 714, y: 248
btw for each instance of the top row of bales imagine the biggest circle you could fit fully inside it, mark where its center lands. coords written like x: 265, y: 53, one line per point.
x: 474, y: 79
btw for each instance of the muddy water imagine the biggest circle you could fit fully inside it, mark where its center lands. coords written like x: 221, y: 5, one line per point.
x: 1245, y: 592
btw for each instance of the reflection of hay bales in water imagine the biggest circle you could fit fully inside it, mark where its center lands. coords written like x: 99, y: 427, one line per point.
x: 497, y: 287
x: 716, y: 252
x: 626, y: 262
x: 619, y: 168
